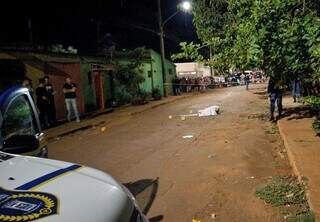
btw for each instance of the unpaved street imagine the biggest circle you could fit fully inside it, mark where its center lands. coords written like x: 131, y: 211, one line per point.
x: 215, y: 172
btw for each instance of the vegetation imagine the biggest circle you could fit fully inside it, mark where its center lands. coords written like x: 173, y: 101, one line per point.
x: 280, y: 37
x: 156, y: 94
x: 314, y: 103
x: 288, y: 194
x: 316, y: 126
x: 128, y: 79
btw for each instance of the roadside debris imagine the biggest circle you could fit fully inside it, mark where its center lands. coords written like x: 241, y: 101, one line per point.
x: 213, y: 216
x: 103, y: 129
x: 187, y: 137
x: 212, y: 156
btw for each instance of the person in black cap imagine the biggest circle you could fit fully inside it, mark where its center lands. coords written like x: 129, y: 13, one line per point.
x: 51, y: 105
x: 42, y: 104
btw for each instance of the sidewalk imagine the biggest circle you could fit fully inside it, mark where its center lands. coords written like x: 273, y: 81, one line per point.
x: 108, y: 120
x: 303, y: 147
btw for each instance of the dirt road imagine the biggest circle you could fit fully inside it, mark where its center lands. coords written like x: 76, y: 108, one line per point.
x: 215, y: 172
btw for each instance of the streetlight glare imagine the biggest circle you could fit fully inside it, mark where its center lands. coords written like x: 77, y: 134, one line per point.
x: 186, y: 6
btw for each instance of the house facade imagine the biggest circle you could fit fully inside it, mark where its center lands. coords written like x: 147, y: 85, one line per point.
x: 92, y: 74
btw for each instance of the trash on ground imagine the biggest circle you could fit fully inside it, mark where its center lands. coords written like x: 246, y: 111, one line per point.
x: 210, y: 111
x: 194, y: 220
x: 213, y: 216
x: 187, y: 137
x: 183, y: 118
x: 211, y: 156
x: 170, y: 117
x: 103, y: 129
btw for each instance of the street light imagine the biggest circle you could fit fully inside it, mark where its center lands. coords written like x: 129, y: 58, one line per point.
x: 185, y: 6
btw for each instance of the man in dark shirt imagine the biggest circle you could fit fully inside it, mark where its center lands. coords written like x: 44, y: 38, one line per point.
x: 69, y: 90
x: 275, y: 94
x: 42, y: 103
x: 26, y: 82
x: 51, y: 108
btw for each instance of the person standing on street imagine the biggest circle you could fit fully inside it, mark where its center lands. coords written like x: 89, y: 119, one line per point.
x: 51, y: 105
x: 42, y: 104
x: 26, y: 82
x: 296, y: 90
x: 275, y: 95
x: 69, y: 90
x: 247, y: 81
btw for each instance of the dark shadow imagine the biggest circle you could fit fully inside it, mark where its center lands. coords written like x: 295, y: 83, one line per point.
x: 261, y: 93
x: 145, y: 192
x: 295, y: 113
x: 156, y: 219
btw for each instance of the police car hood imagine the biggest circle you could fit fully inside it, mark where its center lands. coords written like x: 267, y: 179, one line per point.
x: 82, y: 194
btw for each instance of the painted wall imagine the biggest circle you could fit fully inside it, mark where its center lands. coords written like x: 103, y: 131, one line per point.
x: 157, y: 72
x: 72, y: 70
x: 87, y: 85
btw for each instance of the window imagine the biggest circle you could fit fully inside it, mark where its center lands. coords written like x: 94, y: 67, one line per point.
x: 19, y: 119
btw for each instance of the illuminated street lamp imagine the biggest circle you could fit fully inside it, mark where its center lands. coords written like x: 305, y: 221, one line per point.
x: 185, y: 6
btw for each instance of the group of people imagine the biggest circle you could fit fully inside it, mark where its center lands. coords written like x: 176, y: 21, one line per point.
x: 45, y: 100
x: 191, y: 84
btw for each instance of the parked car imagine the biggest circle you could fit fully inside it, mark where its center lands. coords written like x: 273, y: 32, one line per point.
x: 18, y: 118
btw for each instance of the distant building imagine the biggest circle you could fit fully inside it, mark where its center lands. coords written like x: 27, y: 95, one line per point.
x: 192, y: 69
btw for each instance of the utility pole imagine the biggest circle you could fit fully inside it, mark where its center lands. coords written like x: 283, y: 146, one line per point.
x: 30, y: 30
x: 162, y: 48
x: 211, y: 55
x: 98, y: 23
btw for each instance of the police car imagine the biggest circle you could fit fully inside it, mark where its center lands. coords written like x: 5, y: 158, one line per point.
x: 36, y: 189
x: 19, y: 123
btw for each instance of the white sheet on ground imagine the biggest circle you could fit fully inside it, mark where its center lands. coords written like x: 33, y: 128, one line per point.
x: 210, y: 111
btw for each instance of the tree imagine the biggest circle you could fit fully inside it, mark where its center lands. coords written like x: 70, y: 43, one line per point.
x: 128, y: 77
x: 280, y: 36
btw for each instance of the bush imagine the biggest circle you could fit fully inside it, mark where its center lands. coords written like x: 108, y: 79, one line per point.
x: 313, y: 102
x: 140, y: 99
x: 316, y: 126
x: 122, y: 96
x: 156, y: 94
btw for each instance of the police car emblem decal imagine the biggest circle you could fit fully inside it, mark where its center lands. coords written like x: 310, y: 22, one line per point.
x: 26, y: 206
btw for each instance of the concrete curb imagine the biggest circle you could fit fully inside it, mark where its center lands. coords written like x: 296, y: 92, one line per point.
x: 293, y: 163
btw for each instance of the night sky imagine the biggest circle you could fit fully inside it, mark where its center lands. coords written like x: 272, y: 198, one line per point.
x: 75, y: 23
